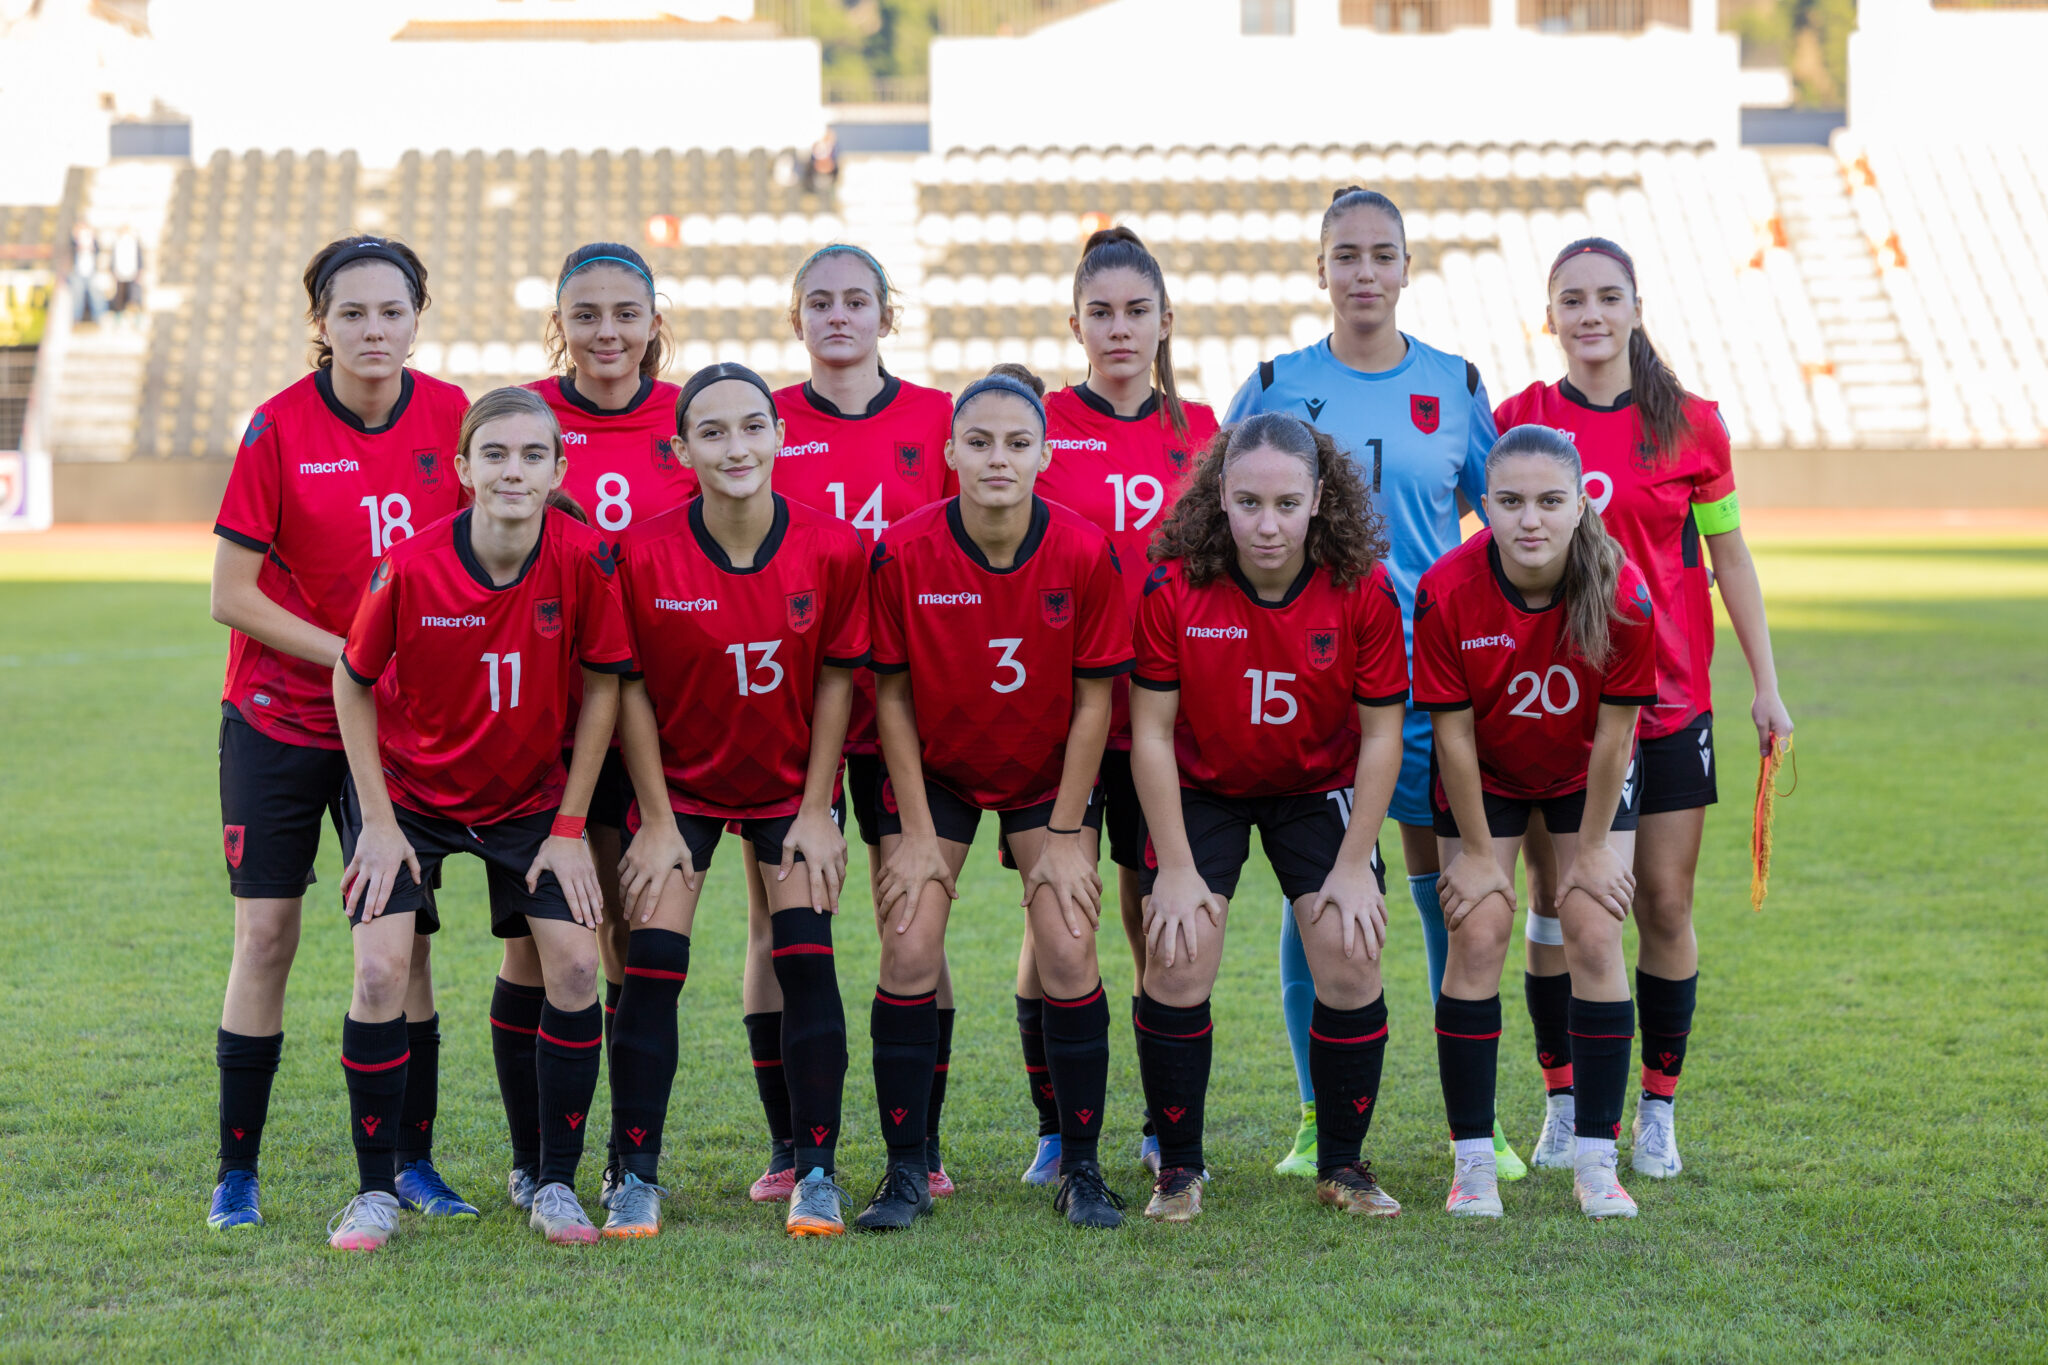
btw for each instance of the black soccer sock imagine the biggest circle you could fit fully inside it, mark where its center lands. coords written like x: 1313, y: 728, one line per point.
x: 373, y: 1063
x: 1467, y: 1054
x: 613, y: 990
x: 905, y: 1029
x: 643, y: 1048
x: 813, y: 1035
x: 1031, y: 1034
x: 1346, y: 1049
x: 1173, y: 1062
x: 422, y: 1092
x: 939, y: 1070
x: 1550, y: 1006
x: 515, y: 1025
x: 764, y: 1047
x: 1665, y: 1008
x: 1602, y: 1031
x: 247, y: 1064
x: 1077, y: 1056
x: 1138, y: 1044
x: 567, y: 1061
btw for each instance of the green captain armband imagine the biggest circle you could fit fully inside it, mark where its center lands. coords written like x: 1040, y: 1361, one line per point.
x: 1713, y: 518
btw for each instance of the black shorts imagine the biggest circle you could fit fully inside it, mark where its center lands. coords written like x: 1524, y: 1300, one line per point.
x: 956, y: 818
x: 1678, y: 769
x: 1121, y: 814
x: 272, y: 795
x: 613, y: 792
x: 701, y: 833
x: 861, y: 791
x: 507, y: 848
x: 1507, y: 817
x: 1300, y: 833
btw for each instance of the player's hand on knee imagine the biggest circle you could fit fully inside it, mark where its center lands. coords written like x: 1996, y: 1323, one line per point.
x: 1601, y: 873
x: 1467, y: 882
x: 918, y: 859
x: 1064, y: 868
x: 657, y: 849
x: 570, y: 861
x: 1360, y: 909
x: 372, y: 874
x: 1172, y: 915
x: 823, y: 848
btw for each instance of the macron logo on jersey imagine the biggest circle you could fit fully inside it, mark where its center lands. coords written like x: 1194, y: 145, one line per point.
x: 1085, y: 443
x: 453, y: 621
x: 808, y: 448
x: 949, y: 599
x: 1489, y: 642
x: 686, y: 604
x: 329, y: 467
x: 575, y: 438
x: 1218, y: 633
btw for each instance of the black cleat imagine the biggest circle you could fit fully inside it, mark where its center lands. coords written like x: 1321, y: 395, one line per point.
x: 1085, y: 1199
x: 903, y: 1197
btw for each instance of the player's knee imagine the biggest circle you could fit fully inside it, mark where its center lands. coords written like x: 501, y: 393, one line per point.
x: 382, y: 979
x: 267, y: 943
x: 1664, y: 916
x: 1481, y: 939
x: 910, y: 968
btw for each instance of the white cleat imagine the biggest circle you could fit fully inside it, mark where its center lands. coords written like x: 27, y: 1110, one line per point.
x: 1556, y: 1143
x: 1653, y: 1143
x: 1599, y: 1189
x: 1475, y: 1189
x: 365, y: 1223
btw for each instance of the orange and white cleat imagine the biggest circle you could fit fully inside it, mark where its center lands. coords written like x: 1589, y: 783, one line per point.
x: 814, y: 1206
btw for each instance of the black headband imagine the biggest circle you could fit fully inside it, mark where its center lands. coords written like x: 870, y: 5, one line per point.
x: 718, y: 374
x: 372, y: 250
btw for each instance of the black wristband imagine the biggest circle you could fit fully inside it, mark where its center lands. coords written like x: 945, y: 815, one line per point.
x: 1075, y: 830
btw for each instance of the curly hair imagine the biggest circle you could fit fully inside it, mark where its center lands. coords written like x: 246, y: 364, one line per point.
x: 1347, y: 535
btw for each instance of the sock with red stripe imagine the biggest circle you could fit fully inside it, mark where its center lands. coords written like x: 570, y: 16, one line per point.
x: 1550, y: 1007
x: 373, y: 1061
x: 1346, y: 1049
x: 1138, y: 1043
x: 247, y: 1065
x: 515, y: 1022
x: 905, y: 1029
x: 939, y: 1070
x: 1467, y: 1053
x: 1173, y: 1062
x: 1602, y: 1032
x: 1077, y: 1057
x: 612, y: 992
x: 1665, y: 1008
x: 422, y: 1092
x: 764, y: 1048
x: 813, y: 1035
x: 643, y: 1046
x: 566, y: 1062
x: 1031, y: 1034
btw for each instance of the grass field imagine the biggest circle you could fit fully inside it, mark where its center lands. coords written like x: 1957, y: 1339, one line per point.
x: 1862, y: 1115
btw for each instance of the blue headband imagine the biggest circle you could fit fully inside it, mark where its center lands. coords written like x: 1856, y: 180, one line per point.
x: 849, y: 249
x: 1002, y: 383
x: 594, y: 260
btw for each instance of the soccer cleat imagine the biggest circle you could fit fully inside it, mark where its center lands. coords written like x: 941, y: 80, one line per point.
x: 422, y: 1190
x: 1475, y: 1189
x: 903, y: 1196
x: 1086, y: 1200
x: 1653, y: 1142
x: 814, y: 1206
x: 773, y: 1187
x: 608, y: 1184
x: 1506, y: 1162
x: 941, y: 1184
x: 1556, y: 1143
x: 1148, y: 1152
x: 1176, y: 1195
x: 1302, y: 1160
x: 520, y: 1185
x: 234, y: 1202
x: 1356, y: 1190
x: 558, y: 1215
x: 1045, y: 1167
x: 1599, y: 1188
x: 635, y: 1209
x: 365, y: 1223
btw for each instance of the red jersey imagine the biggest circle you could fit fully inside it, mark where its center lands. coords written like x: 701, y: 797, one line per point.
x: 731, y: 656
x: 1123, y: 474
x: 621, y: 465
x: 871, y: 469
x: 993, y: 653
x: 473, y: 680
x: 322, y: 497
x: 1534, y: 701
x: 1269, y: 691
x: 1647, y: 505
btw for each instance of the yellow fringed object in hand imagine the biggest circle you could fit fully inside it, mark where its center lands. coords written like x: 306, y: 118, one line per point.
x: 1767, y: 795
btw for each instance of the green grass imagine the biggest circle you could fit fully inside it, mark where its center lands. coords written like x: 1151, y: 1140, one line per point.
x: 1861, y: 1117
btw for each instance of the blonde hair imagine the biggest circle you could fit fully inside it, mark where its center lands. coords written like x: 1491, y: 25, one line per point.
x: 506, y: 402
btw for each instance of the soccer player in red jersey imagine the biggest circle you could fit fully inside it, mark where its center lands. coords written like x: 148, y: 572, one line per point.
x: 1269, y: 689
x: 1657, y: 470
x: 869, y: 449
x: 752, y: 609
x: 1122, y: 442
x: 332, y: 472
x: 608, y: 344
x: 998, y: 627
x: 1535, y: 648
x: 452, y: 692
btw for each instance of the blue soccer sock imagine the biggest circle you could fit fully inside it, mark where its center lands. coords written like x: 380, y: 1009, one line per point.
x: 1297, y: 998
x: 1436, y: 940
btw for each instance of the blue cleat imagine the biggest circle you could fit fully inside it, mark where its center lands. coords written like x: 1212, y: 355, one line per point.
x: 1148, y: 1152
x: 422, y: 1190
x: 1045, y: 1167
x: 234, y: 1202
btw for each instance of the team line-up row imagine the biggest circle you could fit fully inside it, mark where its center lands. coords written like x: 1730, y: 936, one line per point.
x: 601, y: 595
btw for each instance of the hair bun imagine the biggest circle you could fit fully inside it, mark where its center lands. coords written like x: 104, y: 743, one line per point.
x: 1104, y: 236
x: 1010, y: 369
x: 1343, y: 190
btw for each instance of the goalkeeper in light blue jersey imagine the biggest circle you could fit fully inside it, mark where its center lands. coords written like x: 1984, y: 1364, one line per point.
x: 1419, y: 425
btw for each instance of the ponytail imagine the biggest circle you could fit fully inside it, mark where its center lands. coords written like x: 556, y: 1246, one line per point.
x: 1120, y: 248
x: 1654, y: 391
x: 1592, y: 565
